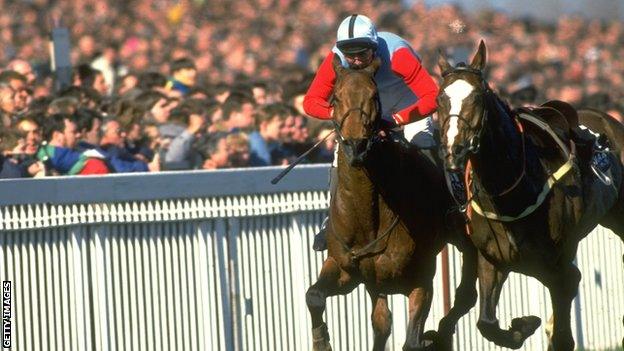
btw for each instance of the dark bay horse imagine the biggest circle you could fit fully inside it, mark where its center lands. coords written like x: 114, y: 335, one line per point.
x: 388, y: 220
x: 531, y: 199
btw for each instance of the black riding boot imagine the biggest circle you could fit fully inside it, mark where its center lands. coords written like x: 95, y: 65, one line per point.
x: 320, y: 242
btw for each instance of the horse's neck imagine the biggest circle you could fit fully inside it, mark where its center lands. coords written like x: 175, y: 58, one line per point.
x: 356, y: 192
x: 499, y: 160
x: 355, y: 181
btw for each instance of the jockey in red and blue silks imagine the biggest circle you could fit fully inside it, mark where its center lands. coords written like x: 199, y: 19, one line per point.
x: 407, y: 93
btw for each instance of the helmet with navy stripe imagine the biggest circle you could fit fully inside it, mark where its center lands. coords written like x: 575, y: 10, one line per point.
x: 356, y: 34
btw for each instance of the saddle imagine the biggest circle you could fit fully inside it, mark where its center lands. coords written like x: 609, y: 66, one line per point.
x: 563, y: 119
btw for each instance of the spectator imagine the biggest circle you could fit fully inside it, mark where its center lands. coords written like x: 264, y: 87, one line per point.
x: 262, y: 142
x: 106, y: 63
x: 127, y: 83
x: 117, y: 157
x: 11, y: 146
x: 238, y: 149
x: 30, y: 132
x: 294, y: 136
x: 87, y: 77
x: 216, y: 152
x: 325, y: 152
x: 7, y: 105
x: 259, y: 90
x: 89, y: 123
x: 180, y: 154
x: 18, y: 83
x: 24, y: 68
x: 183, y: 75
x: 63, y: 105
x: 238, y: 112
x: 57, y: 155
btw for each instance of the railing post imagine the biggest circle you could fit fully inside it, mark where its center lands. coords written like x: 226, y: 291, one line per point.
x: 446, y: 290
x: 224, y: 278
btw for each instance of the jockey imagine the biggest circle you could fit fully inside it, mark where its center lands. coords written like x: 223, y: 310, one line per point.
x: 407, y: 93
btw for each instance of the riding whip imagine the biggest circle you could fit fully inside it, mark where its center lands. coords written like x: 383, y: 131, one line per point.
x: 299, y: 159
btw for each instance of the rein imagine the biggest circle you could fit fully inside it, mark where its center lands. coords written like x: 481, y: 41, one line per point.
x: 366, y: 250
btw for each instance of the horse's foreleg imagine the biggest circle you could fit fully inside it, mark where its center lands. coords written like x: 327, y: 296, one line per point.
x: 465, y: 295
x: 491, y: 282
x: 331, y: 281
x: 419, y: 305
x: 563, y: 287
x: 381, y: 319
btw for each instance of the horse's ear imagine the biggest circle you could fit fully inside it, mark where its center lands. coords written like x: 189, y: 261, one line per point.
x: 479, y: 59
x: 443, y: 63
x: 337, y: 64
x: 373, y: 67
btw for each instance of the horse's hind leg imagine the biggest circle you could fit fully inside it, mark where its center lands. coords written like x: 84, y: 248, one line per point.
x: 381, y: 319
x: 614, y: 219
x: 419, y: 305
x: 465, y: 295
x: 331, y: 281
x: 563, y: 287
x: 491, y: 282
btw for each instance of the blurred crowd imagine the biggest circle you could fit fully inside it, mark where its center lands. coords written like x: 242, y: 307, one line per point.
x: 204, y: 84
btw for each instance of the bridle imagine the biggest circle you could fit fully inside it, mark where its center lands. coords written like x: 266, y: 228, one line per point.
x: 350, y: 145
x: 474, y: 143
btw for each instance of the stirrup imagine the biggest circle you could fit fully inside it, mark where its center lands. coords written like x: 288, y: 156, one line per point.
x: 320, y: 242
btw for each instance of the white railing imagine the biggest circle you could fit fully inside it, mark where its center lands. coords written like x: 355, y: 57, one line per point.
x: 221, y: 261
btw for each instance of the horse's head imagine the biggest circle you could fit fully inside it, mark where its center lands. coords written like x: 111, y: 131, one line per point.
x: 462, y: 112
x: 356, y: 110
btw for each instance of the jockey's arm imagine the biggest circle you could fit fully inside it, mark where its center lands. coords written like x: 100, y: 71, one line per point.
x: 316, y: 100
x: 416, y: 77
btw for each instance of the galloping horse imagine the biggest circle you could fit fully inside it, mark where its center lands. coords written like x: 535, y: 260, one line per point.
x: 388, y: 220
x: 531, y: 200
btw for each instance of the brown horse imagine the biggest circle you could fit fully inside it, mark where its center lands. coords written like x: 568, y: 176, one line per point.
x: 532, y: 200
x: 388, y: 220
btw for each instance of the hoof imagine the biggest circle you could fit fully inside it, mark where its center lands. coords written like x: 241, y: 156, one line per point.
x: 446, y: 328
x: 521, y: 328
x: 428, y: 343
x: 320, y: 338
x: 441, y: 342
x: 525, y: 326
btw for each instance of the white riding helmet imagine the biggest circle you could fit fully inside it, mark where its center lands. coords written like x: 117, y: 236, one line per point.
x: 356, y: 33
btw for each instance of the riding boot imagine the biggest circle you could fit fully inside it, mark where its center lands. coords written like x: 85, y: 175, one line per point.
x: 320, y: 241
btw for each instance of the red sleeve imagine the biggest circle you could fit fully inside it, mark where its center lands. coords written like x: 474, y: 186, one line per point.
x: 407, y: 65
x: 316, y: 100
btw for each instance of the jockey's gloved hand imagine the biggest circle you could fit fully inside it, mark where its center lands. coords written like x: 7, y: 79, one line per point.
x: 386, y: 125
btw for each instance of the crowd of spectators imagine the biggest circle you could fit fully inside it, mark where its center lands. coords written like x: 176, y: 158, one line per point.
x: 205, y: 84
